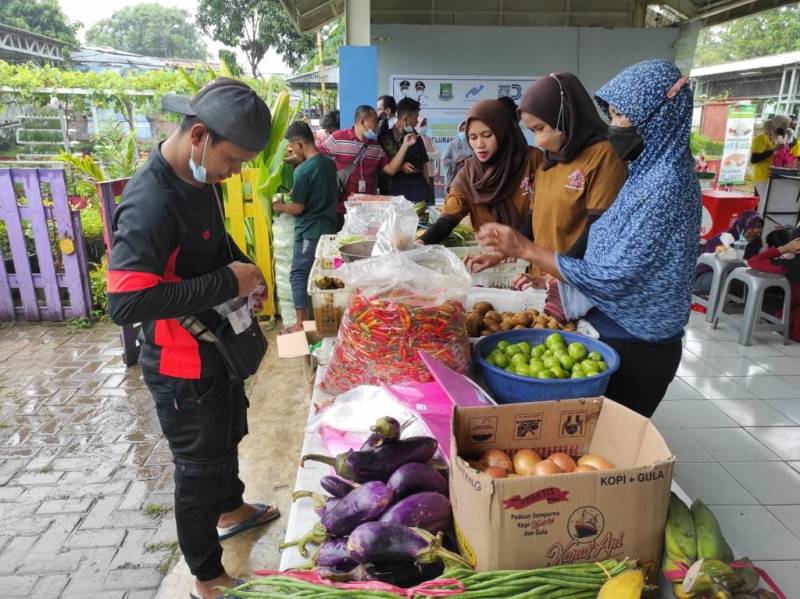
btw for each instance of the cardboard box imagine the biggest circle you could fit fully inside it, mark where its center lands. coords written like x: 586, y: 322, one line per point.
x: 532, y: 522
x: 296, y: 345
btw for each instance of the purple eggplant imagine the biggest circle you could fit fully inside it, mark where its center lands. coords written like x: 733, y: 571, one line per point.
x: 428, y: 511
x: 416, y: 478
x: 379, y: 463
x: 403, y: 575
x: 385, y: 430
x: 386, y: 543
x: 333, y: 555
x: 364, y: 504
x: 321, y: 503
x: 338, y: 487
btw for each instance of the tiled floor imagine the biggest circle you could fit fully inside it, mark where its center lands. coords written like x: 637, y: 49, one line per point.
x: 732, y: 418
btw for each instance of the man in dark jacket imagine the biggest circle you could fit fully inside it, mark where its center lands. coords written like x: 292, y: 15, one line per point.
x: 172, y: 258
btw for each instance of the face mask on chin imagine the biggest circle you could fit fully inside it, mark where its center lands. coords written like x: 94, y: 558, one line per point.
x: 199, y: 173
x: 370, y: 134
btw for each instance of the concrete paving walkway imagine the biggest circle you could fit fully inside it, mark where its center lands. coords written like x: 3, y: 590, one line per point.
x: 86, y: 479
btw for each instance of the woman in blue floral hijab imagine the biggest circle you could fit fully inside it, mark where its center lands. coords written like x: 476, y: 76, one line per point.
x: 634, y: 282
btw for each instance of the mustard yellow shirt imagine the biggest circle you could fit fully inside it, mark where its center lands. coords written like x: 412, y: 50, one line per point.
x: 762, y: 143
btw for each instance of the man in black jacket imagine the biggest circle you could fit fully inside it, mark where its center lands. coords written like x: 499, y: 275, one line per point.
x: 172, y: 258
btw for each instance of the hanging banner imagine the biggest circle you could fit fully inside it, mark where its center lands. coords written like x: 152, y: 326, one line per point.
x: 446, y: 99
x: 738, y: 140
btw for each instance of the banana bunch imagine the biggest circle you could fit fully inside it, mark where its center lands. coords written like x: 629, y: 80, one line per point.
x: 695, y: 546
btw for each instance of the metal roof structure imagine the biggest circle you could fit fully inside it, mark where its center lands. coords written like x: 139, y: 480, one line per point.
x: 101, y: 58
x: 309, y: 15
x: 18, y: 45
x: 310, y: 80
x: 776, y: 61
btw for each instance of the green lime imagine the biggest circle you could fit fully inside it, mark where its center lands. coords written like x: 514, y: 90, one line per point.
x: 602, y: 366
x: 522, y: 370
x: 577, y: 351
x: 590, y: 368
x: 536, y: 365
x: 577, y: 374
x: 559, y: 350
x: 554, y: 339
x: 502, y: 345
x: 545, y: 374
x: 551, y: 362
x: 518, y: 359
x: 490, y: 359
x: 559, y: 372
x: 566, y: 362
x: 510, y: 369
x: 595, y: 356
x: 512, y: 349
x: 525, y: 347
x: 538, y: 351
x: 502, y: 361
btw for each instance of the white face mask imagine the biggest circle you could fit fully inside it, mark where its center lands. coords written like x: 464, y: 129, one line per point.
x: 199, y: 172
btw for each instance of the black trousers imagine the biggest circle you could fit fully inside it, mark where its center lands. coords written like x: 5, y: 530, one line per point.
x: 645, y: 372
x: 203, y: 421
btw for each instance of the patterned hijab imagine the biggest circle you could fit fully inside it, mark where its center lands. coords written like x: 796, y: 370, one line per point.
x: 493, y: 183
x: 639, y: 264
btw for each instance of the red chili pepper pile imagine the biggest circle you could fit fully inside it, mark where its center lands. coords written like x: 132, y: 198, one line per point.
x: 380, y: 336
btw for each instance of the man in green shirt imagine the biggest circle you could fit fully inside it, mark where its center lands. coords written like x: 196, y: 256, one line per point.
x: 315, y: 193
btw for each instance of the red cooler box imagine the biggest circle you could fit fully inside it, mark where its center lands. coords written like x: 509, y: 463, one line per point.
x: 721, y: 208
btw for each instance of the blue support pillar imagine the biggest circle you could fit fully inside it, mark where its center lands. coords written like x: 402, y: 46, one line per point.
x: 358, y: 80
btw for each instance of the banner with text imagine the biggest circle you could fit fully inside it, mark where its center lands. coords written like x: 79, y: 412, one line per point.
x: 738, y: 141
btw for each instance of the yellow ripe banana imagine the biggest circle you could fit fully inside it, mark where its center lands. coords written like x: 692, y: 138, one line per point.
x: 680, y: 537
x: 711, y: 542
x: 677, y: 590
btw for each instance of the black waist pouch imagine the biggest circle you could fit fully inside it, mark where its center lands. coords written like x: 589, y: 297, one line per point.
x: 241, y: 353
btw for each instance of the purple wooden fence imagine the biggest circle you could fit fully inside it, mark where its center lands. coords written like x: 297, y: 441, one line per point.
x: 109, y: 191
x: 55, y: 285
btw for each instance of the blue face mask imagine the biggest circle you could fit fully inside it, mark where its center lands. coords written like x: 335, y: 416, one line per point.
x: 370, y: 134
x: 423, y: 131
x: 199, y: 172
x: 408, y: 129
x: 462, y: 135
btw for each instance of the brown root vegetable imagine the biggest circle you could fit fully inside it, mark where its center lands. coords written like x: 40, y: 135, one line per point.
x: 485, y: 333
x: 474, y: 324
x: 482, y: 308
x: 564, y: 462
x: 507, y: 324
x: 497, y: 458
x: 525, y: 461
x: 595, y: 461
x: 545, y: 468
x: 493, y: 326
x: 522, y: 319
x: 495, y: 472
x: 570, y: 327
x: 520, y: 327
x: 534, y: 314
x: 494, y: 316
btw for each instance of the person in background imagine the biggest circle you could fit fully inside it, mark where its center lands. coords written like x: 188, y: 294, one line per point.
x: 456, y: 154
x: 780, y: 258
x: 412, y: 180
x: 171, y: 259
x: 763, y: 150
x: 432, y: 148
x: 387, y: 113
x: 634, y: 282
x: 748, y: 227
x: 327, y: 125
x: 580, y: 174
x: 314, y: 196
x: 792, y: 132
x: 359, y: 147
x: 494, y: 186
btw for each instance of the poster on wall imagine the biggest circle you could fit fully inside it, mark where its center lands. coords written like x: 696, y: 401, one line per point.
x: 446, y: 99
x: 738, y: 140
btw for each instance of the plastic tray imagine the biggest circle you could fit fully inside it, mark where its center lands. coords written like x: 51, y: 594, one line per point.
x: 329, y: 304
x: 512, y: 388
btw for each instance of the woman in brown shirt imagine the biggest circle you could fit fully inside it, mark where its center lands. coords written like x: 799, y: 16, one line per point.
x: 494, y: 186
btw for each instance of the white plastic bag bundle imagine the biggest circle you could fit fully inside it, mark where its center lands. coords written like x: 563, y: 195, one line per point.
x: 364, y: 219
x: 399, y: 229
x: 283, y: 247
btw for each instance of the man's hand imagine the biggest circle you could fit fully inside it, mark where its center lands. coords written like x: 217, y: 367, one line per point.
x: 409, y: 140
x: 277, y: 205
x: 408, y: 168
x: 248, y: 275
x: 479, y: 262
x: 793, y: 247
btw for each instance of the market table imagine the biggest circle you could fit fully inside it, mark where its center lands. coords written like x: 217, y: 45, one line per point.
x: 302, y: 515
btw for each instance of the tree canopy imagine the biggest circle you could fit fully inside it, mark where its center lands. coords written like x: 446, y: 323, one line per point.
x: 39, y: 16
x: 255, y: 26
x: 151, y: 30
x: 770, y: 32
